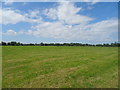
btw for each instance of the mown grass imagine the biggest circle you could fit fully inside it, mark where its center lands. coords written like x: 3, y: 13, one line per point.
x: 0, y: 67
x: 60, y: 67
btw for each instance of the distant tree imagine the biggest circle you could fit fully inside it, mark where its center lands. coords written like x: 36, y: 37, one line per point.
x: 13, y: 43
x: 0, y: 43
x: 42, y: 44
x: 4, y: 43
x: 31, y: 44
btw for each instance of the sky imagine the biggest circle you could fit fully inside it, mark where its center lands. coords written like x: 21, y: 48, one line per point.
x: 59, y: 22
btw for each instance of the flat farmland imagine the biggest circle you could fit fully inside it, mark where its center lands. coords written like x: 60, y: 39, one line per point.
x: 59, y: 67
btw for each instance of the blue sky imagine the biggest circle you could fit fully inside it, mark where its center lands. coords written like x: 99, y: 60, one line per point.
x: 35, y: 22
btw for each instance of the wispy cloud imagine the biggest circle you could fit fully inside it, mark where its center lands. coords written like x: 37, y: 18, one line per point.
x: 100, y: 31
x: 66, y: 12
x: 67, y: 24
x: 9, y: 2
x: 10, y: 32
x: 10, y: 16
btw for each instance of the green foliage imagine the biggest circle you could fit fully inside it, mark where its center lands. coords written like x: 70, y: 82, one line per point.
x: 13, y: 43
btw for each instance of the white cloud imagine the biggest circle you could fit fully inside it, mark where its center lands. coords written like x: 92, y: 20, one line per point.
x: 93, y: 1
x: 68, y: 24
x: 51, y: 13
x: 100, y: 31
x: 33, y: 13
x: 14, y: 16
x: 9, y: 2
x: 10, y: 32
x: 10, y: 17
x: 24, y: 3
x: 66, y: 12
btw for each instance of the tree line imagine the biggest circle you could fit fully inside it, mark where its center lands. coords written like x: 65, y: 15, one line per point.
x: 13, y: 43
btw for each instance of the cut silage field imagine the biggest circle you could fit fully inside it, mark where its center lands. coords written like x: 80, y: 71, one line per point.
x: 59, y: 67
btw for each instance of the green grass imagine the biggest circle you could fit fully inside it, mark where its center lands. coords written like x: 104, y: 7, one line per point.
x: 59, y: 67
x: 0, y: 67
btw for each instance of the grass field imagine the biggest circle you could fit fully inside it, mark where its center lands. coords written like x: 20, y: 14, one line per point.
x: 60, y: 67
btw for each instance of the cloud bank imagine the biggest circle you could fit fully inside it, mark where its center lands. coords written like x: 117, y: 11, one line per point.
x: 68, y: 24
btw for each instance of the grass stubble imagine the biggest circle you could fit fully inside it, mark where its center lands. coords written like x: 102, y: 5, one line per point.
x: 59, y: 67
